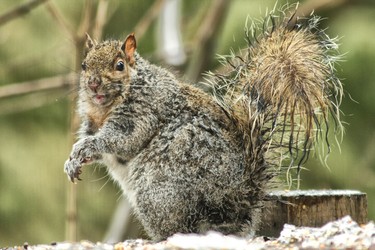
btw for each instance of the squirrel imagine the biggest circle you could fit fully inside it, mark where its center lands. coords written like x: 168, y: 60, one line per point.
x: 190, y: 160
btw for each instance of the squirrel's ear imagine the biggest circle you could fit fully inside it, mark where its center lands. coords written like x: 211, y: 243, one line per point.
x: 89, y: 42
x: 129, y: 48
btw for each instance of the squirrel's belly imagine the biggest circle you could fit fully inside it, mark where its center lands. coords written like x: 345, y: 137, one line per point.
x: 119, y: 171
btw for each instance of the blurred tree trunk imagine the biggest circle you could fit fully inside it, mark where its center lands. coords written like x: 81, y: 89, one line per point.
x: 170, y: 45
x: 205, y: 43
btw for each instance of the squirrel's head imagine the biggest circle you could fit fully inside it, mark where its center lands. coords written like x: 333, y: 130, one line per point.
x: 106, y: 69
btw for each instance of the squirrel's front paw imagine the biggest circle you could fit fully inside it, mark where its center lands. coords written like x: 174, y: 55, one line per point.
x: 82, y: 153
x: 72, y: 168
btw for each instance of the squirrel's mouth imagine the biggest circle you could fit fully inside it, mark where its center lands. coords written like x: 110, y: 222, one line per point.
x: 100, y: 99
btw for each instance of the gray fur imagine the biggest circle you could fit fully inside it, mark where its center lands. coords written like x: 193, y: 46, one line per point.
x: 180, y: 164
x: 186, y: 160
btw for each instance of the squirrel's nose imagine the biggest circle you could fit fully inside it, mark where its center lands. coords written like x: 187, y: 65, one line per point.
x: 94, y: 83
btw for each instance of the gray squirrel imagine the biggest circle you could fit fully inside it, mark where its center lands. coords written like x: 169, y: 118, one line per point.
x: 190, y: 160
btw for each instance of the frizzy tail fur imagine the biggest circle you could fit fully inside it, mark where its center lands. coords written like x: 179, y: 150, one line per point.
x: 281, y: 90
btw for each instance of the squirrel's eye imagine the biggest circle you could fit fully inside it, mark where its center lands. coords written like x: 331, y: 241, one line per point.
x: 83, y: 66
x: 120, y: 66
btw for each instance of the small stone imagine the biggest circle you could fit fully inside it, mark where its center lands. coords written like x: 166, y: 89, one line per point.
x: 119, y: 246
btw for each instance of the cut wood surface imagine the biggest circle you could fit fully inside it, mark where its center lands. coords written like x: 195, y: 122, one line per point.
x: 311, y: 208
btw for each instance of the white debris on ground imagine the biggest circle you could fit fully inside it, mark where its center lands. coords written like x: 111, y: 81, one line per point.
x: 212, y: 240
x: 341, y: 234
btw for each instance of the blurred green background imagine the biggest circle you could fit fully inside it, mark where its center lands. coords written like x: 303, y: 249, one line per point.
x: 35, y: 127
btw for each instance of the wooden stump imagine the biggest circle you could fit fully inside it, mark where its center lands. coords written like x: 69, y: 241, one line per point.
x: 311, y: 208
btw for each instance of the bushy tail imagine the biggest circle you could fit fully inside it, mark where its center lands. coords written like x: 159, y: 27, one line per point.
x: 281, y: 90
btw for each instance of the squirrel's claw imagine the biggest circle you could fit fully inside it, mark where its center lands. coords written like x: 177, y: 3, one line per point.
x: 72, y: 168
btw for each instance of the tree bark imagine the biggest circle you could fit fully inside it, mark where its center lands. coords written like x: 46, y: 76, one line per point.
x: 311, y: 208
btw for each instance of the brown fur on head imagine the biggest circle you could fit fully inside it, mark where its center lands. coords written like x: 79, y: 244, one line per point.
x: 106, y: 69
x: 105, y: 77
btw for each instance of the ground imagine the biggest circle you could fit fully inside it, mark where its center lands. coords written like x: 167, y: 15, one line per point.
x: 341, y: 234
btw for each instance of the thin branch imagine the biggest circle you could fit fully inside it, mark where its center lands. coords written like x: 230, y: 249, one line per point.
x: 71, y: 211
x: 56, y: 14
x: 20, y: 10
x: 147, y: 18
x: 101, y: 19
x: 206, y: 37
x: 84, y: 26
x: 32, y: 100
x: 318, y: 5
x: 71, y: 204
x: 49, y: 83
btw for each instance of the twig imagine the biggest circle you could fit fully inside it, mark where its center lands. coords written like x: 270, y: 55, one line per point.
x: 101, y: 18
x: 38, y: 85
x: 71, y: 212
x: 33, y: 100
x: 84, y: 26
x: 206, y: 38
x: 20, y: 11
x: 51, y: 7
x: 71, y: 205
x: 147, y: 19
x: 317, y: 5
